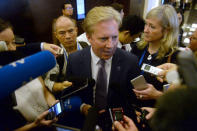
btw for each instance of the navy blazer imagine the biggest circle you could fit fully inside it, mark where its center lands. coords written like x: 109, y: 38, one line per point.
x: 124, y: 68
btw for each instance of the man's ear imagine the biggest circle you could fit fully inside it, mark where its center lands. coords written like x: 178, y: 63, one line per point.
x: 88, y: 36
x: 126, y: 32
x: 55, y: 34
x: 63, y: 11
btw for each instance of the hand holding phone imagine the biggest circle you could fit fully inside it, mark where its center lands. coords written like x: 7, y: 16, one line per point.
x: 139, y: 83
x: 116, y: 114
x: 54, y: 111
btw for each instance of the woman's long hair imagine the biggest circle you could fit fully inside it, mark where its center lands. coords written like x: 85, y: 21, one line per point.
x: 167, y: 16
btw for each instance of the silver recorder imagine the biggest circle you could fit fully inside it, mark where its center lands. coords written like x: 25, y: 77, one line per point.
x: 151, y: 69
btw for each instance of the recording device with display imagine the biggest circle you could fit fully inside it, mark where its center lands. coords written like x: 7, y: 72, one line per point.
x: 116, y: 114
x: 151, y: 69
x: 131, y: 108
x: 20, y: 72
x: 142, y: 117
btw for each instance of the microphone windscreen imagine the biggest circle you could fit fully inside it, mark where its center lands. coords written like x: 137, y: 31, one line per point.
x: 20, y: 72
x: 72, y: 104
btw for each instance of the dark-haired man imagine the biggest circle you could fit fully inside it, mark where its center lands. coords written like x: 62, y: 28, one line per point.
x: 131, y: 28
x: 67, y: 9
x: 118, y: 7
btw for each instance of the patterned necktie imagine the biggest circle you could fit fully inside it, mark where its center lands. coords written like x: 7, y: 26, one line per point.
x: 101, y: 86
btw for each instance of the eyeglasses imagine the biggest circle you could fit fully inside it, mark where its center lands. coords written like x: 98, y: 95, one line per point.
x: 69, y: 8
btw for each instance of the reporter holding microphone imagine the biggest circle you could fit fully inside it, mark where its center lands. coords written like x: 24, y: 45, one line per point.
x: 10, y: 118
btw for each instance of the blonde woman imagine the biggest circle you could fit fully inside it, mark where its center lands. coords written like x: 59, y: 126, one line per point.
x: 158, y: 46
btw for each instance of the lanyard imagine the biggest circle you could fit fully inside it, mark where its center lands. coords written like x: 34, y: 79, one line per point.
x: 78, y: 47
x: 66, y: 54
x: 142, y: 57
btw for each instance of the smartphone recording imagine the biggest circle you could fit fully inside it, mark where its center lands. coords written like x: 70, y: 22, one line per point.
x: 116, y: 114
x: 54, y: 111
x: 139, y: 83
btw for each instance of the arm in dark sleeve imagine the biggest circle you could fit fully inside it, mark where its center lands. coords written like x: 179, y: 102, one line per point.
x: 30, y: 48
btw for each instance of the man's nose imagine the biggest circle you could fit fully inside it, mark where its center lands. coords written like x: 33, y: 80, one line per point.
x: 67, y: 36
x: 109, y: 43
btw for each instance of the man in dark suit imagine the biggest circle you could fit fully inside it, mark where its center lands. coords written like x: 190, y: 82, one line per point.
x: 101, y: 26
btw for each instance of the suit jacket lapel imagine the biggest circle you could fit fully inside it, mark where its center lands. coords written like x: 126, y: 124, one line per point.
x: 85, y: 62
x: 115, y: 67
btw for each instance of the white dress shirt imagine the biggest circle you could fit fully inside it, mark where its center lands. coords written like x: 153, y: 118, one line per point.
x: 83, y: 38
x: 95, y: 67
x: 127, y: 46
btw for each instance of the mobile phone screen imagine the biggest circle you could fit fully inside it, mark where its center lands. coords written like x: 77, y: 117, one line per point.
x: 56, y: 109
x: 118, y: 115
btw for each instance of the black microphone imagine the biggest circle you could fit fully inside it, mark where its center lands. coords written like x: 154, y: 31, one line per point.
x: 79, y: 84
x: 91, y: 119
x: 187, y: 68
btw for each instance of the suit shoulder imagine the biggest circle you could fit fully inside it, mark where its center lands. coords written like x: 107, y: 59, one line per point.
x: 126, y: 54
x: 80, y: 53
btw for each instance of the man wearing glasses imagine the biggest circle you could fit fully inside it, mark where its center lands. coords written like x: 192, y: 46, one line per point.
x: 67, y: 9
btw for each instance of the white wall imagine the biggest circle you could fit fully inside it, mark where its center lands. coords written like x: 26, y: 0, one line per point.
x: 150, y: 4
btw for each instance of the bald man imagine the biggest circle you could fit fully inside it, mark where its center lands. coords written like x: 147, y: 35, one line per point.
x: 65, y: 31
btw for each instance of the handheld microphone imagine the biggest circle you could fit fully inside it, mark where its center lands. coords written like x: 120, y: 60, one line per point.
x: 91, y: 119
x: 187, y: 68
x: 18, y: 73
x: 79, y: 84
x: 81, y: 81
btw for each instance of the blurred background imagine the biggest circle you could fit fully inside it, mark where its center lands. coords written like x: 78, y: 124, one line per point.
x: 32, y: 19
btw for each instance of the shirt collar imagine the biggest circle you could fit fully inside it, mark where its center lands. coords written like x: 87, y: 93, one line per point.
x: 78, y: 46
x: 96, y: 59
x: 119, y: 45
